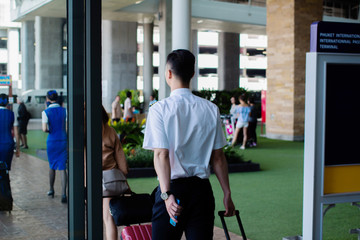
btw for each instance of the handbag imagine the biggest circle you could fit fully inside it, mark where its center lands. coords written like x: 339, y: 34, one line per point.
x: 114, y: 183
x: 131, y: 209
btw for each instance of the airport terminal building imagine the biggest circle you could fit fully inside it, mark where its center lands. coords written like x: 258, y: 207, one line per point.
x: 91, y: 48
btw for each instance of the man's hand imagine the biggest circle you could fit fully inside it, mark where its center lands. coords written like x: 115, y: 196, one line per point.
x: 219, y: 164
x: 17, y: 153
x: 172, y: 207
x: 229, y: 206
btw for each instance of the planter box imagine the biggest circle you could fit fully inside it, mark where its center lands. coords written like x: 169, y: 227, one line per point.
x: 243, y: 167
x: 238, y: 167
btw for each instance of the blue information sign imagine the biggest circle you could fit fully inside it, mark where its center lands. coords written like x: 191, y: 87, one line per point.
x: 335, y: 37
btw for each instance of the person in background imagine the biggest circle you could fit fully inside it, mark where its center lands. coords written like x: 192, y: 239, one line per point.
x: 152, y: 100
x: 23, y: 120
x: 242, y: 111
x: 113, y: 156
x: 232, y: 111
x: 128, y: 110
x: 252, y: 123
x: 7, y: 143
x: 116, y: 109
x: 184, y: 147
x: 233, y: 105
x: 61, y: 99
x: 54, y: 122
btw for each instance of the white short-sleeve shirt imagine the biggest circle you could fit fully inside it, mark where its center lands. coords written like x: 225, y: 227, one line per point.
x: 190, y: 128
x: 127, y: 105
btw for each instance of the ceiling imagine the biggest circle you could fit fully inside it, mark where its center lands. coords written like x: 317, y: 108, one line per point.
x: 141, y: 11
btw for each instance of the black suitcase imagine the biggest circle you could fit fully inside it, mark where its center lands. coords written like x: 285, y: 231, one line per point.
x: 6, y: 200
x: 237, y: 214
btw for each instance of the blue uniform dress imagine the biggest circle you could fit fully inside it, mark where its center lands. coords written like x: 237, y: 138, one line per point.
x: 6, y: 139
x: 57, y: 139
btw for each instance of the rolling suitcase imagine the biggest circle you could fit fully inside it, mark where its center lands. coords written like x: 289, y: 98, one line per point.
x: 136, y: 232
x: 221, y: 214
x: 6, y: 200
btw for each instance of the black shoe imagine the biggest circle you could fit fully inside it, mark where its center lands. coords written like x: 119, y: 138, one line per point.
x: 63, y: 199
x: 51, y: 193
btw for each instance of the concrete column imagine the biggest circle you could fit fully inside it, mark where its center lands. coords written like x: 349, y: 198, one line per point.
x: 165, y: 44
x: 148, y: 62
x: 28, y: 55
x: 229, y: 61
x: 288, y: 31
x: 181, y: 24
x: 119, y: 49
x: 48, y: 52
x: 13, y: 53
x: 195, y: 51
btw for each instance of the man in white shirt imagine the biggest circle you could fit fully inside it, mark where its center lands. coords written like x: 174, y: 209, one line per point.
x: 185, y: 133
x: 128, y: 112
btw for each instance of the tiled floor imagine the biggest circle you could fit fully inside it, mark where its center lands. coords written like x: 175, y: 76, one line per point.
x: 35, y: 216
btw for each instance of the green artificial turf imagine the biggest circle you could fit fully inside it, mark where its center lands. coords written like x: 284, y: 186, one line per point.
x: 36, y: 141
x: 270, y: 201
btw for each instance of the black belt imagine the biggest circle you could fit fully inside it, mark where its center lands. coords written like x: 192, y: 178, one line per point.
x: 189, y: 179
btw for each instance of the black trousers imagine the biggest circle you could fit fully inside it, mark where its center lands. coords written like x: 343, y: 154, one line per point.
x: 197, y: 217
x: 252, y: 131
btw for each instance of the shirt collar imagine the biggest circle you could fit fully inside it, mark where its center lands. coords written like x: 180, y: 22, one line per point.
x: 53, y: 105
x: 180, y: 91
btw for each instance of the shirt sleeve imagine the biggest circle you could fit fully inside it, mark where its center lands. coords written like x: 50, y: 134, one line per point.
x: 220, y: 140
x: 44, y: 118
x: 155, y: 135
x: 16, y: 123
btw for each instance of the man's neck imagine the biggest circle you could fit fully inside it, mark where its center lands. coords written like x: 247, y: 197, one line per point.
x: 178, y: 85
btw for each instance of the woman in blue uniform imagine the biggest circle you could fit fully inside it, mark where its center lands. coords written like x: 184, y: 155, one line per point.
x: 54, y: 122
x: 7, y: 143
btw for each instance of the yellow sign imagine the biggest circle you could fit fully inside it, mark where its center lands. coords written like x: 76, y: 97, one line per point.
x: 341, y: 179
x: 5, y: 80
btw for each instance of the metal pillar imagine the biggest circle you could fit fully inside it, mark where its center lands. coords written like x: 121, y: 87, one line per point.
x: 93, y: 119
x: 148, y: 62
x: 76, y: 67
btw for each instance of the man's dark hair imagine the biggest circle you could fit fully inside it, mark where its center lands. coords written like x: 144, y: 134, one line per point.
x: 242, y: 97
x: 128, y: 94
x: 252, y: 100
x: 182, y: 63
x: 52, y: 95
x: 4, y: 100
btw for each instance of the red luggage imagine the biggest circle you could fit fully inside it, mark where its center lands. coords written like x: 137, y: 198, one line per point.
x: 136, y: 232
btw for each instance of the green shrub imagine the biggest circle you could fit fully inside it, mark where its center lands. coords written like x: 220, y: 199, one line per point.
x: 135, y: 102
x: 233, y: 156
x: 140, y: 158
x: 221, y: 98
x: 131, y: 133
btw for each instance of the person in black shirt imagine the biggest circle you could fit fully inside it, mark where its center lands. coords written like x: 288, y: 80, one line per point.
x: 23, y: 120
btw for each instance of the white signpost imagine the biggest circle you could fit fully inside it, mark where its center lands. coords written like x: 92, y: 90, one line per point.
x: 331, y: 170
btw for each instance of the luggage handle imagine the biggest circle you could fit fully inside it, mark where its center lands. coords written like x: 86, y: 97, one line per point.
x: 237, y: 214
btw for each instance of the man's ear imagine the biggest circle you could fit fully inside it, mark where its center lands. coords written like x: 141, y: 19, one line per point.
x: 170, y: 73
